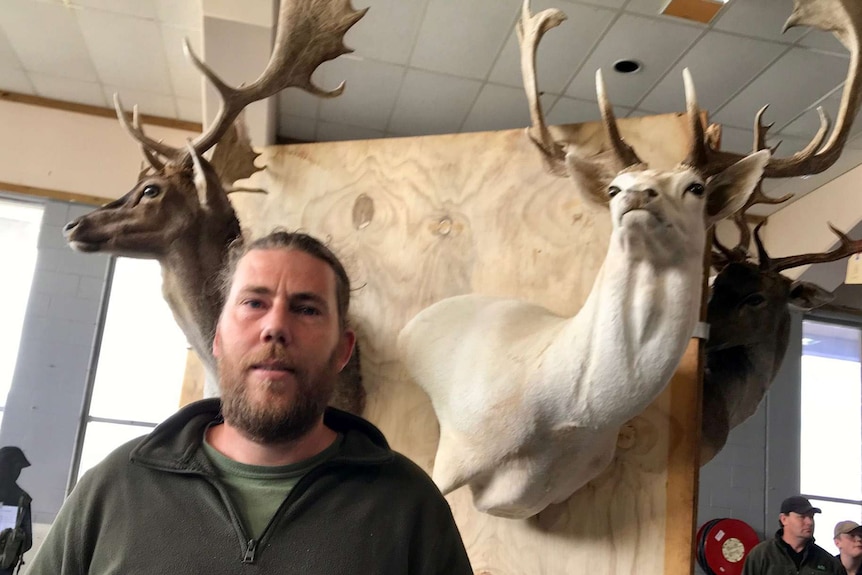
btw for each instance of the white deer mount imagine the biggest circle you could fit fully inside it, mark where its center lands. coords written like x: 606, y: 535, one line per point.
x: 530, y: 403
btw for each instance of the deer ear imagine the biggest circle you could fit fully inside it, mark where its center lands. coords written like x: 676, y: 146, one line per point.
x: 728, y: 191
x: 806, y: 296
x: 590, y: 179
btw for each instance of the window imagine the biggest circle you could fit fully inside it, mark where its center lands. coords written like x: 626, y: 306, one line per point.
x: 831, y: 424
x: 141, y: 362
x: 19, y: 234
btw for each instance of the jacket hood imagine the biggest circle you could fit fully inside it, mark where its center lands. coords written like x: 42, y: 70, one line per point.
x: 174, y: 444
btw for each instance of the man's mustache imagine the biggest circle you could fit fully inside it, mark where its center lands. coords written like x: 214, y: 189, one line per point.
x: 272, y: 354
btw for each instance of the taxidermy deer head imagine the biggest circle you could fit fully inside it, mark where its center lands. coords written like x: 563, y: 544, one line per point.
x: 530, y: 403
x: 749, y: 317
x: 179, y: 213
x: 748, y: 309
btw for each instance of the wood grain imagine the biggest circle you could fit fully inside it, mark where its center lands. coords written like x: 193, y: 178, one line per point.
x: 416, y: 220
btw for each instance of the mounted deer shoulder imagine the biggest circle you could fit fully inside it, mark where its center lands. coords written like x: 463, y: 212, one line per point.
x: 530, y: 403
x: 748, y: 309
x: 179, y: 213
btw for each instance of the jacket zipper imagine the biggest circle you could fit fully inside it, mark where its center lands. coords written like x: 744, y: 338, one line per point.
x: 249, y: 552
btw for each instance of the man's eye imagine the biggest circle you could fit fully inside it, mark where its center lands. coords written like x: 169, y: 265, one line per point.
x: 307, y: 310
x: 253, y: 303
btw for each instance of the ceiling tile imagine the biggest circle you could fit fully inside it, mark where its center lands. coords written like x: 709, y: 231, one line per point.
x: 820, y: 40
x: 180, y: 13
x: 758, y: 18
x: 625, y: 40
x: 647, y: 7
x: 793, y: 83
x: 143, y: 64
x: 463, y: 38
x: 720, y: 64
x: 137, y: 8
x: 328, y: 132
x: 388, y: 30
x: 369, y: 94
x: 806, y: 125
x: 298, y: 102
x: 69, y: 90
x: 190, y: 109
x: 498, y: 108
x: 147, y: 102
x: 47, y: 39
x: 432, y: 103
x: 737, y: 140
x: 185, y: 78
x: 297, y: 128
x: 8, y: 58
x: 572, y: 111
x: 562, y: 51
x: 15, y: 80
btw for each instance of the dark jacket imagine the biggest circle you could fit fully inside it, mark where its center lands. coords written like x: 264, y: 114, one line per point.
x: 771, y: 557
x: 155, y: 506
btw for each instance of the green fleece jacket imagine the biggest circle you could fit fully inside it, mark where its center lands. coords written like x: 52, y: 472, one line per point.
x: 155, y: 506
x: 771, y: 557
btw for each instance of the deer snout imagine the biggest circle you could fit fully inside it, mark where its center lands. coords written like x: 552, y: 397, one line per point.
x: 635, y: 199
x: 71, y: 226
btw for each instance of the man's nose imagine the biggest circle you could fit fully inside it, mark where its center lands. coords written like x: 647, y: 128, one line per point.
x: 276, y: 328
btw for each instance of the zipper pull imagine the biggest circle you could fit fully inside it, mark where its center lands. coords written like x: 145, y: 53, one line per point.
x: 249, y: 552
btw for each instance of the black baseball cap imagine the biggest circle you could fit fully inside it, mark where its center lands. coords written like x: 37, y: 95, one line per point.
x: 798, y: 504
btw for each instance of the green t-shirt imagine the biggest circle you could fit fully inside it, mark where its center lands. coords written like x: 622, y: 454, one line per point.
x: 257, y: 491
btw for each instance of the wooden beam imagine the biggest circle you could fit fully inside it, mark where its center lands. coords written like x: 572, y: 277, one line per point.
x: 32, y: 100
x: 53, y: 194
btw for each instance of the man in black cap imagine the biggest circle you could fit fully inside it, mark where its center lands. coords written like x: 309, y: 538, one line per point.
x: 12, y: 461
x: 848, y: 540
x: 792, y: 550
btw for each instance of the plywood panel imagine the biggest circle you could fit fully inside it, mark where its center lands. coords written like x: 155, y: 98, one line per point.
x: 420, y: 219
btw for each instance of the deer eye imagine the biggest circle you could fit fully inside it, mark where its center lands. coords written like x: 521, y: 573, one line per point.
x: 151, y: 191
x: 613, y: 190
x: 754, y: 300
x: 696, y: 188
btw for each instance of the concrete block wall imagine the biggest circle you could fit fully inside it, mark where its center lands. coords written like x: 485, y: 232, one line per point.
x: 60, y: 325
x: 759, y: 465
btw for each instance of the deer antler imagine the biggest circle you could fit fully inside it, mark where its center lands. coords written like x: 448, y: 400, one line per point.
x: 847, y: 247
x: 844, y: 18
x: 310, y: 32
x: 530, y: 30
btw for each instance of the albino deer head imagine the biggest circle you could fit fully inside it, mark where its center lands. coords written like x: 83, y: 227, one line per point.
x: 179, y: 212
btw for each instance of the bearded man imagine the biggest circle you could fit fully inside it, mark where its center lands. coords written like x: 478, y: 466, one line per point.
x: 267, y: 477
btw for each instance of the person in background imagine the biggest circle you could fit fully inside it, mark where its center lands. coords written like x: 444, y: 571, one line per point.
x: 792, y: 549
x: 12, y: 462
x: 265, y: 479
x: 848, y: 540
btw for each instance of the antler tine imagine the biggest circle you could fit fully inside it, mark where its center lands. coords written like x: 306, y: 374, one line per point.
x: 151, y: 157
x: 697, y: 155
x: 530, y: 30
x: 310, y: 32
x: 846, y: 247
x: 625, y: 154
x: 147, y: 143
x: 764, y: 261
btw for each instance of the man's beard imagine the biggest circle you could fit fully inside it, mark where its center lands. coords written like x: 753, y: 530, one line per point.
x: 272, y: 421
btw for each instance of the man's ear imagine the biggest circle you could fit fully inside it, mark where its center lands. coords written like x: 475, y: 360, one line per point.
x: 345, y: 347
x: 217, y: 344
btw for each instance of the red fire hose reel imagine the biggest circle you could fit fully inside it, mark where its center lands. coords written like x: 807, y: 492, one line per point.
x: 722, y: 545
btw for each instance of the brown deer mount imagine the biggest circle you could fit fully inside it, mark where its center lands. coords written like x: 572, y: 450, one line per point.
x: 179, y: 213
x: 749, y: 317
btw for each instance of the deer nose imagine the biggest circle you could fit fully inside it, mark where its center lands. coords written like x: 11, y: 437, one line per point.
x: 70, y: 226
